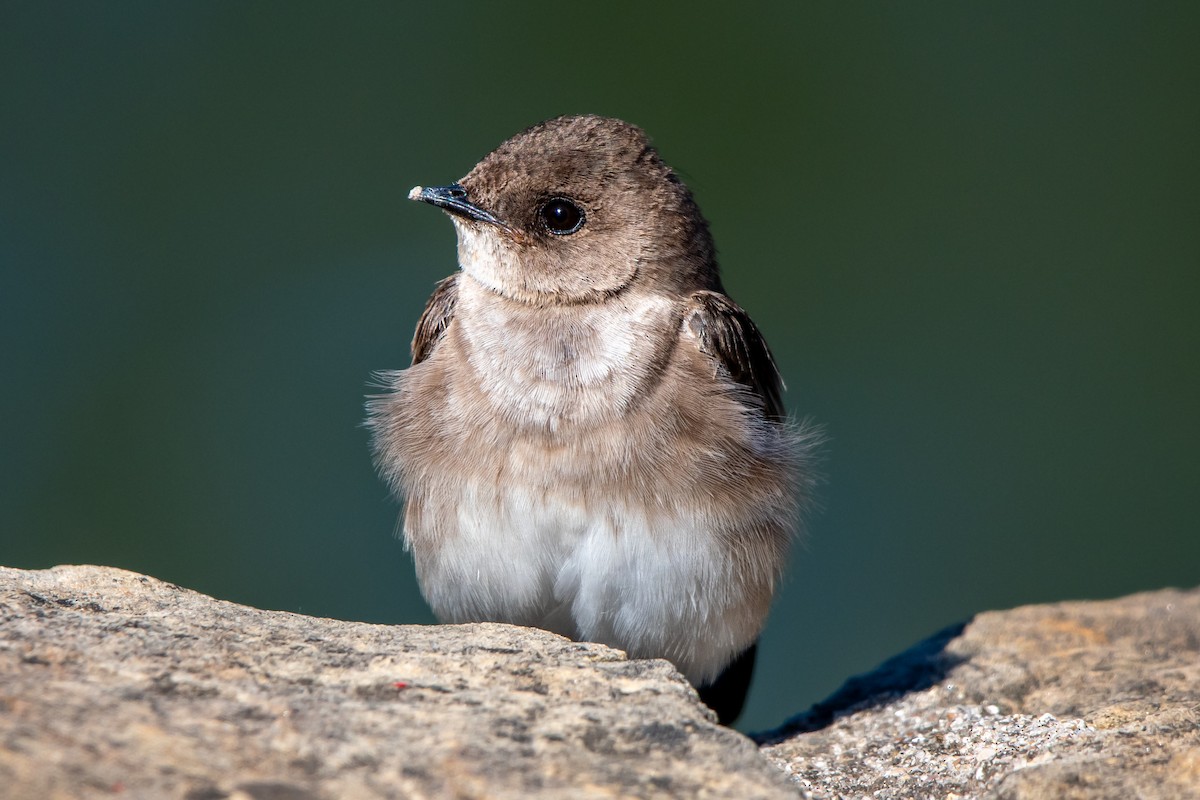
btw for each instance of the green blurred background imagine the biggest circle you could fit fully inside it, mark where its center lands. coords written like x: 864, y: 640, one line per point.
x: 971, y: 233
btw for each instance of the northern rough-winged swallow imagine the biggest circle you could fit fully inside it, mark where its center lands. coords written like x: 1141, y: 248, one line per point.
x: 590, y: 438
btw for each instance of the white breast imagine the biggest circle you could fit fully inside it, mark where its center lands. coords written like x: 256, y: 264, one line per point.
x: 561, y: 364
x: 533, y: 550
x: 656, y: 588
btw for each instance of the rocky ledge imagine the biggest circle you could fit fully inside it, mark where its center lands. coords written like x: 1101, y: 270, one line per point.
x: 114, y: 684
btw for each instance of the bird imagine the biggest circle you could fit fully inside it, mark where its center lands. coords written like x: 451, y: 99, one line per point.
x: 590, y: 438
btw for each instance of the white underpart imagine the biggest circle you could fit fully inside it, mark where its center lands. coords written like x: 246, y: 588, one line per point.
x: 654, y: 587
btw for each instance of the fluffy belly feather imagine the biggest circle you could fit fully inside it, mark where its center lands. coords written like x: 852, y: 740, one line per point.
x: 655, y: 587
x: 550, y: 482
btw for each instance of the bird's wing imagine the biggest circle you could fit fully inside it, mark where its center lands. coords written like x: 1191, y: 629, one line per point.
x: 439, y: 311
x: 727, y: 335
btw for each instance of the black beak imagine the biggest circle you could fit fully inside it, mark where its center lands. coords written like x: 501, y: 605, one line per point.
x: 453, y: 198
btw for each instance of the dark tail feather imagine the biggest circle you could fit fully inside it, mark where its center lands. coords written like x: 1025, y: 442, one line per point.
x: 727, y: 693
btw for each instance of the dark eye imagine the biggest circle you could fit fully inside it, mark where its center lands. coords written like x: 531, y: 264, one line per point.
x: 561, y: 216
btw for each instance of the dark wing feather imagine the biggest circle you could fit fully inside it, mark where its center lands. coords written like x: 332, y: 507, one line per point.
x: 439, y: 311
x: 727, y: 334
x: 727, y: 693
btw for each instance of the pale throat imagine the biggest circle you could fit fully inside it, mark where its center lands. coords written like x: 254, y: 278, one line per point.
x: 483, y: 256
x: 549, y: 365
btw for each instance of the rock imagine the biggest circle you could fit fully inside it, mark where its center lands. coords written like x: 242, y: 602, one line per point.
x: 1071, y: 700
x: 117, y: 685
x: 114, y: 684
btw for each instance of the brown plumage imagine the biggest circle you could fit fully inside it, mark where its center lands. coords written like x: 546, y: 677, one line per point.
x: 591, y: 437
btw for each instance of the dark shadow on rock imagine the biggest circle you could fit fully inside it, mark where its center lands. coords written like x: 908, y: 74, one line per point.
x: 917, y: 668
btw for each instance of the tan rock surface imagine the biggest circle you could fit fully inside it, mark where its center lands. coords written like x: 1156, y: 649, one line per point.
x: 117, y: 685
x: 1070, y: 700
x: 114, y: 684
